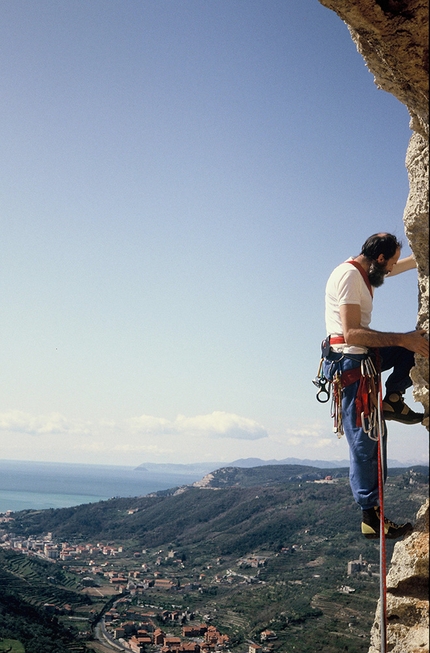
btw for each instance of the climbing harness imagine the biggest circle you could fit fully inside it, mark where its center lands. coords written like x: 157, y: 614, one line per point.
x: 366, y: 402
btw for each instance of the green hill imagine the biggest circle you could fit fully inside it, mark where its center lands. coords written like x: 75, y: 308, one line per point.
x: 267, y: 475
x: 27, y: 585
x: 230, y: 519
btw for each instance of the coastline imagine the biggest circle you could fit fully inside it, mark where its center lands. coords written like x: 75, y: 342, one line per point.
x: 28, y: 485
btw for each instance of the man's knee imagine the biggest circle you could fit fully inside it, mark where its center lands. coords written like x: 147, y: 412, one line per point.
x: 396, y: 357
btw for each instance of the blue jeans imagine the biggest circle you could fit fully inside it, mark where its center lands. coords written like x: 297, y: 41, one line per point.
x: 363, y: 451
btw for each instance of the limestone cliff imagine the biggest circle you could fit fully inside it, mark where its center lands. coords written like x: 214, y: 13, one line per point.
x: 407, y: 593
x: 392, y: 37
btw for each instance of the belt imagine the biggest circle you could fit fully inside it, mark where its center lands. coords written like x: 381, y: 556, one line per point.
x: 337, y: 340
x: 340, y: 340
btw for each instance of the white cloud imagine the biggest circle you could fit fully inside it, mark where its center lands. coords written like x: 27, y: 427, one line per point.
x: 144, y: 434
x: 321, y: 444
x: 222, y: 425
x: 17, y: 421
x: 158, y: 437
x: 216, y: 425
x: 313, y: 430
x: 309, y: 434
x: 294, y: 442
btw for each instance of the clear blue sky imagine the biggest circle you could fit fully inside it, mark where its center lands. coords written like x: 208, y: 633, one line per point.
x: 178, y: 179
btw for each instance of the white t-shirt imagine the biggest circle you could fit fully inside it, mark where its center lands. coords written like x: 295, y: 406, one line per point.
x: 346, y: 286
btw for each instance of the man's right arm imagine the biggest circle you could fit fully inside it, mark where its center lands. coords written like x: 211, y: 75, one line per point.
x: 355, y: 334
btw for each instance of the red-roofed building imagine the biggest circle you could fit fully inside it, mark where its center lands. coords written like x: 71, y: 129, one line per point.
x: 214, y: 638
x: 191, y: 631
x: 135, y: 645
x: 172, y: 642
x: 254, y: 648
x: 190, y: 647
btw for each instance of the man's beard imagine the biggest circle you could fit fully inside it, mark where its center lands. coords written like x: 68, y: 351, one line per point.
x: 376, y: 274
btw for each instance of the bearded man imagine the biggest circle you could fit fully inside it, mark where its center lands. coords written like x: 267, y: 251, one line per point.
x: 348, y: 302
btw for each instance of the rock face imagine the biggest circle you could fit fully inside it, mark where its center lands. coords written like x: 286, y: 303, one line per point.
x: 416, y: 220
x: 392, y: 37
x: 407, y: 593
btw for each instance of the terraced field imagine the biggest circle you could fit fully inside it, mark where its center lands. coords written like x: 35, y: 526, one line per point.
x: 11, y: 646
x: 38, y: 582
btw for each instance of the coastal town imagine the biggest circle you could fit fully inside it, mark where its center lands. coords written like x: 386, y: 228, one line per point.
x: 128, y: 582
x: 149, y: 600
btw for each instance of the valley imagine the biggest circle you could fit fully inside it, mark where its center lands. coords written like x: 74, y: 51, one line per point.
x: 257, y: 555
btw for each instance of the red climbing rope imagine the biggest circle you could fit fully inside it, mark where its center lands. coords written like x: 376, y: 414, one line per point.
x: 382, y: 547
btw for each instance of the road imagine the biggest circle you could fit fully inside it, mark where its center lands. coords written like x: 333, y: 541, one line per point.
x: 103, y: 636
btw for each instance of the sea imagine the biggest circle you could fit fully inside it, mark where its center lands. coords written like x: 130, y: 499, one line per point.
x: 40, y: 485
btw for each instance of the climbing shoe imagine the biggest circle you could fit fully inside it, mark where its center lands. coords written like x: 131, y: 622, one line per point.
x: 395, y: 409
x: 370, y: 526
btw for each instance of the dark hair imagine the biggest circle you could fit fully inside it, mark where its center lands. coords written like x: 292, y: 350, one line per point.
x: 385, y: 244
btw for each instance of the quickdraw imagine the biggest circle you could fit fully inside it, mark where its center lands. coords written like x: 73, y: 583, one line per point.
x: 336, y: 405
x: 366, y: 402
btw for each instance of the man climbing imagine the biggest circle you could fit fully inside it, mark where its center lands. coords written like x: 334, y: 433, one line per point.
x: 351, y: 349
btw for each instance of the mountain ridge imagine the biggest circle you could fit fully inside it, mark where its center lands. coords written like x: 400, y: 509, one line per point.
x: 206, y: 468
